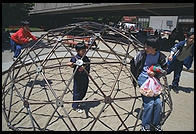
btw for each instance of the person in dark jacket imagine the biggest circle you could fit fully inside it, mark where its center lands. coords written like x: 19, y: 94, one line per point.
x: 81, y: 79
x: 181, y: 54
x: 139, y: 66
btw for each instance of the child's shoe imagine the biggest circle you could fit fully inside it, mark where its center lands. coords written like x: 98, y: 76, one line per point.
x: 145, y: 128
x: 14, y: 59
x: 158, y: 128
x: 78, y: 110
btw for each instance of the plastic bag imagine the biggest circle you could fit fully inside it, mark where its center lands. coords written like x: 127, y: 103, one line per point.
x: 151, y: 87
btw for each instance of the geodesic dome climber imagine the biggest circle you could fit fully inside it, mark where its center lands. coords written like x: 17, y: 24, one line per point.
x: 37, y: 88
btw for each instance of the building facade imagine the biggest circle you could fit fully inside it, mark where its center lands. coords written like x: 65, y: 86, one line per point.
x: 166, y: 22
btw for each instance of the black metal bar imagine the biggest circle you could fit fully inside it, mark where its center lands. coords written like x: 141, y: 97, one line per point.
x: 50, y: 118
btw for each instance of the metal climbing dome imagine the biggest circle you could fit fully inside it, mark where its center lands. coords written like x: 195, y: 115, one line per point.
x: 37, y: 88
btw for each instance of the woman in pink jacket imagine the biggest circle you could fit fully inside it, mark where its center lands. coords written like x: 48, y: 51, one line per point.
x: 20, y: 38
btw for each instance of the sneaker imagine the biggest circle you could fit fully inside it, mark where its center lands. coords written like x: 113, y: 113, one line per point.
x: 14, y: 59
x: 95, y: 47
x: 78, y: 110
x: 145, y: 128
x: 158, y: 128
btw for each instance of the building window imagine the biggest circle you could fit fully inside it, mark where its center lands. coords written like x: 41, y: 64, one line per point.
x: 186, y: 20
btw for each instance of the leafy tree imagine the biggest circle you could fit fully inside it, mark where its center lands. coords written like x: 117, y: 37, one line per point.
x: 13, y: 13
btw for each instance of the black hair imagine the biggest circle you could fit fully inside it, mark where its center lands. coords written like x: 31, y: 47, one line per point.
x: 80, y: 46
x: 189, y: 34
x: 24, y: 23
x: 152, y: 42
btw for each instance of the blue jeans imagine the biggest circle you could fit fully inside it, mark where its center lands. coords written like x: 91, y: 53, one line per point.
x: 152, y: 107
x: 177, y: 68
x: 16, y: 48
x: 152, y: 110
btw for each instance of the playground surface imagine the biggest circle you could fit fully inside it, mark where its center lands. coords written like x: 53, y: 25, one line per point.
x: 181, y: 118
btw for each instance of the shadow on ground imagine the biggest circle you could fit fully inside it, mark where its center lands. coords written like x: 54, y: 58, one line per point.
x: 185, y: 89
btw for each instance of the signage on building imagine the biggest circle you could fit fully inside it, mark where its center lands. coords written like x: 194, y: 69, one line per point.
x: 129, y: 18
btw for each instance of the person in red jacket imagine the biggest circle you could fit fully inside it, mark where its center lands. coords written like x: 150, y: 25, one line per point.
x: 19, y: 39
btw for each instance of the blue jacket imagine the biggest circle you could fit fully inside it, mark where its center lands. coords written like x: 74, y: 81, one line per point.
x: 83, y: 74
x: 189, y: 60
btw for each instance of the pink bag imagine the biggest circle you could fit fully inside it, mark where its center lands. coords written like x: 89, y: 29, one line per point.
x: 151, y: 87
